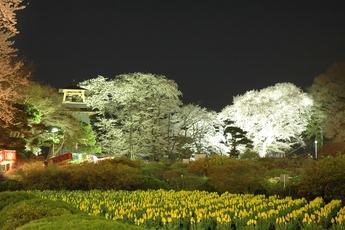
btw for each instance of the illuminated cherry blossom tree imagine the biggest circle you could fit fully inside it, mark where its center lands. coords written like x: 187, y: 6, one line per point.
x: 133, y: 113
x: 197, y: 130
x: 7, y: 15
x: 11, y: 70
x: 274, y: 118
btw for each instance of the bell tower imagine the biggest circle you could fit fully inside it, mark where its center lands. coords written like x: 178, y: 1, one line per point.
x: 74, y: 101
x: 73, y: 95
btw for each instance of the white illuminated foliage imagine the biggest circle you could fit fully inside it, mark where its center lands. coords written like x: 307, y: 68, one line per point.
x: 274, y: 118
x: 200, y: 127
x: 133, y: 112
x: 111, y: 137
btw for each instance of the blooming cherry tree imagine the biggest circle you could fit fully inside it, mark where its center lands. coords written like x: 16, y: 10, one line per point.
x: 201, y: 128
x: 274, y: 118
x: 132, y: 112
x: 11, y: 70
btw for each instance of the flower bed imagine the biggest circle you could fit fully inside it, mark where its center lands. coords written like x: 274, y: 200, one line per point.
x: 162, y: 209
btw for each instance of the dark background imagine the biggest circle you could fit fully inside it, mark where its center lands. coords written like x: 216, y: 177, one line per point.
x: 214, y: 50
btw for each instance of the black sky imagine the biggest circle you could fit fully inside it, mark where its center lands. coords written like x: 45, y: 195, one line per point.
x: 214, y: 50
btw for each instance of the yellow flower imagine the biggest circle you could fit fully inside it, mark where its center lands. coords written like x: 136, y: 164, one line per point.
x: 251, y: 222
x: 192, y: 221
x: 164, y: 220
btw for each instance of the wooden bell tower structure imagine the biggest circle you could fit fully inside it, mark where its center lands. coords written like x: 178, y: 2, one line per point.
x: 74, y: 101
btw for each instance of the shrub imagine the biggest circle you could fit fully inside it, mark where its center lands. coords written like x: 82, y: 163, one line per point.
x: 18, y: 214
x: 49, y: 178
x: 10, y: 185
x: 125, y: 161
x: 250, y: 155
x: 149, y: 182
x: 237, y: 176
x: 108, y: 174
x: 179, y: 165
x: 332, y: 148
x: 207, y: 186
x: 292, y: 166
x: 172, y: 178
x: 78, y: 221
x: 34, y: 176
x: 104, y: 175
x: 152, y: 168
x: 325, y: 179
x: 191, y: 182
x: 7, y: 198
x: 201, y: 167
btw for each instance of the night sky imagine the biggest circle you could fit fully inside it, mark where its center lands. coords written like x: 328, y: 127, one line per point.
x: 214, y: 50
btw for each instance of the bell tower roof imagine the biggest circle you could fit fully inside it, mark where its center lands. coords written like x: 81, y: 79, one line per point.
x: 71, y: 87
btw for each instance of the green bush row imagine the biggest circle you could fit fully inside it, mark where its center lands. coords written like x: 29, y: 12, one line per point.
x: 110, y: 174
x: 21, y: 210
x: 307, y: 177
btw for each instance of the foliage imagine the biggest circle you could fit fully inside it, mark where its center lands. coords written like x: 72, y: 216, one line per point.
x: 8, y: 198
x: 188, y: 210
x: 12, y: 70
x: 325, y: 179
x: 202, y: 166
x: 150, y: 182
x: 52, y: 178
x: 8, y: 17
x: 192, y: 182
x: 292, y: 166
x: 107, y: 174
x: 331, y: 149
x: 133, y: 111
x: 38, y: 111
x: 236, y: 176
x: 128, y: 162
x: 274, y: 118
x: 225, y: 174
x: 10, y: 185
x: 77, y: 221
x: 327, y: 91
x: 249, y: 155
x: 33, y: 128
x: 18, y: 214
x: 195, y: 130
x: 216, y: 173
x: 151, y: 168
x: 83, y: 140
x: 236, y: 138
x: 175, y: 176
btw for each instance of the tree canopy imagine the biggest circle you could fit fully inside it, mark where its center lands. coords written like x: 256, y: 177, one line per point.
x: 132, y: 112
x: 196, y: 130
x: 274, y: 117
x: 328, y: 92
x: 12, y: 71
